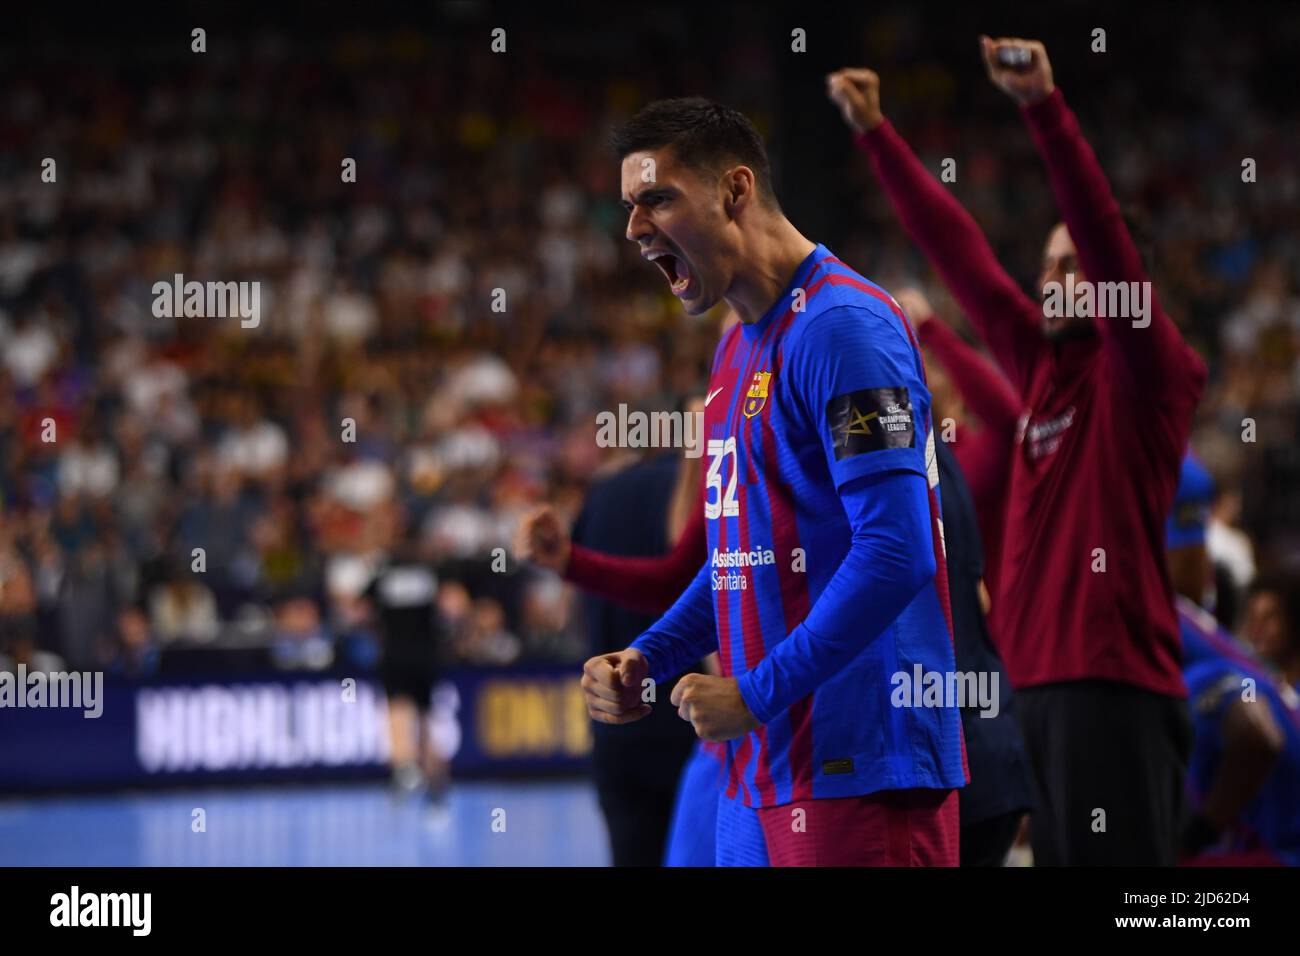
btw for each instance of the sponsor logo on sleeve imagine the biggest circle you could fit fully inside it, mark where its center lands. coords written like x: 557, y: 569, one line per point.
x: 871, y: 419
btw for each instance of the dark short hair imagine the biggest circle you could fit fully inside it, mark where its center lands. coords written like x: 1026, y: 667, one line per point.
x: 704, y: 135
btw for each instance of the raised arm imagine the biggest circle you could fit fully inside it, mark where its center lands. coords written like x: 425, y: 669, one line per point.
x: 1006, y: 318
x: 640, y: 584
x: 1150, y: 344
x: 983, y: 388
x: 648, y: 584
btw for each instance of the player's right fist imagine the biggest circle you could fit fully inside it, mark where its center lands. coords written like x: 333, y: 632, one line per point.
x: 857, y: 93
x: 613, y: 686
x: 542, y: 540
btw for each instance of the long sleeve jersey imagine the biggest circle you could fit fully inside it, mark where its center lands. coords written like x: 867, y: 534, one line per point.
x: 824, y: 589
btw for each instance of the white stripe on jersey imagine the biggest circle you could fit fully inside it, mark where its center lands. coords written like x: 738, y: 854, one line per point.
x: 932, y: 472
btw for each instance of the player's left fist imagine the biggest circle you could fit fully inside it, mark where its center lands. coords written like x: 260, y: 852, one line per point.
x: 1019, y: 68
x: 714, y: 707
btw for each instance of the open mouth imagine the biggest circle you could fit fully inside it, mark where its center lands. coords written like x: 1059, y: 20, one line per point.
x: 674, y: 268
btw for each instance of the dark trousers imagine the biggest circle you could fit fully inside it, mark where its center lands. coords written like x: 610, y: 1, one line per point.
x: 637, y: 787
x: 988, y: 842
x: 1109, y: 763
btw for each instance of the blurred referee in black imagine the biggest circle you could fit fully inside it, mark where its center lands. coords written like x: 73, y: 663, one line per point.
x: 402, y: 596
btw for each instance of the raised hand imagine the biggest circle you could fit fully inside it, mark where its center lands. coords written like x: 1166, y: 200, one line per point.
x: 1019, y: 68
x: 542, y: 540
x: 856, y: 92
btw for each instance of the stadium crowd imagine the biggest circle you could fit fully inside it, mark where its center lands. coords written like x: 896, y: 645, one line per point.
x: 129, y: 441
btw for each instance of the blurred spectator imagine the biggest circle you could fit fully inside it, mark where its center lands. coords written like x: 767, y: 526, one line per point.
x: 484, y: 639
x: 30, y: 348
x: 1272, y: 623
x: 17, y: 591
x: 182, y: 607
x: 299, y: 640
x: 135, y: 653
x: 253, y: 447
x: 1231, y: 553
x: 23, y: 651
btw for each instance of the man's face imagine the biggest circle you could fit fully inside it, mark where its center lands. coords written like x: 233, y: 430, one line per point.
x: 1265, y: 626
x: 1060, y: 258
x: 678, y: 218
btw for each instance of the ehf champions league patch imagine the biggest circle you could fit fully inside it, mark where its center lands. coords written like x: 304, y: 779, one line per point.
x: 871, y: 419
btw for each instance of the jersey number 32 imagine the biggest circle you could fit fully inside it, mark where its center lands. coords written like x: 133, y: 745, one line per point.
x: 723, y: 504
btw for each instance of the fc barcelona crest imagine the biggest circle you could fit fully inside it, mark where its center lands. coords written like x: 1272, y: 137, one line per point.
x: 756, y: 397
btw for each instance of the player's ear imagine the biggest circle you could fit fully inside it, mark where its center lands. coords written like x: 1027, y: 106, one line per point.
x: 739, y: 190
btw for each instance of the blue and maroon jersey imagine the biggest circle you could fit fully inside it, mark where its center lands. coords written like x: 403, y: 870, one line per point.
x: 823, y: 391
x: 1215, y: 668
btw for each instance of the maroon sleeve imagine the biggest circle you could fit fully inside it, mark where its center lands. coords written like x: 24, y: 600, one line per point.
x: 985, y: 462
x: 641, y: 584
x: 983, y: 388
x: 1156, y: 355
x: 1006, y: 318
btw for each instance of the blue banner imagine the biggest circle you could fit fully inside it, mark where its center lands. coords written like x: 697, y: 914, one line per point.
x: 278, y: 726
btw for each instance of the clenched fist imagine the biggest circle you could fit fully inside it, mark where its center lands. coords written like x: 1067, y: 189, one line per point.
x: 542, y: 540
x: 714, y: 707
x: 1019, y: 68
x: 857, y: 93
x: 612, y: 685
